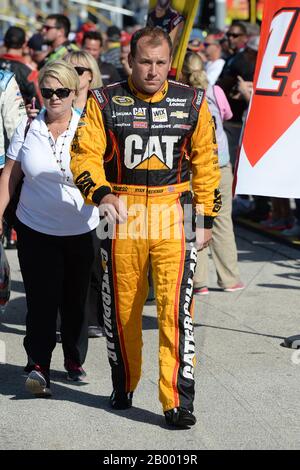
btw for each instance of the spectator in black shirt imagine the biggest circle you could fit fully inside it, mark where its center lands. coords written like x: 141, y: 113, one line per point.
x: 164, y: 16
x: 93, y: 43
x: 241, y: 63
x: 237, y: 38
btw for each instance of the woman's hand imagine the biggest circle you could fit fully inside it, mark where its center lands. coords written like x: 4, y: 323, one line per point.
x: 31, y: 110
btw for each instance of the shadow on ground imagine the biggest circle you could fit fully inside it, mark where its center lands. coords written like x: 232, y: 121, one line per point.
x: 12, y: 380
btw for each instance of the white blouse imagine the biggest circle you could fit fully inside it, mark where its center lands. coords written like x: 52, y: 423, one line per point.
x: 49, y: 202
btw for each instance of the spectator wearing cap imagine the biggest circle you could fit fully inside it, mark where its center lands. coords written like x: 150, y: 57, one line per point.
x: 84, y: 28
x: 37, y: 49
x: 196, y: 43
x: 93, y: 43
x: 55, y: 33
x: 213, y: 52
x: 113, y: 53
x: 13, y: 60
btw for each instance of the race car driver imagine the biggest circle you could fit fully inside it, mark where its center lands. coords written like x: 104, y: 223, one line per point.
x: 132, y: 155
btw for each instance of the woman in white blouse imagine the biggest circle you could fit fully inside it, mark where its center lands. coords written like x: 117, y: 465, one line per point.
x: 56, y: 230
x: 89, y: 78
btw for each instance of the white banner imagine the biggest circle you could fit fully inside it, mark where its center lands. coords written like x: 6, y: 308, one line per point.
x: 269, y: 163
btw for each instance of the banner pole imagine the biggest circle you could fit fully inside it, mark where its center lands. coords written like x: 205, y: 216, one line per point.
x: 253, y: 11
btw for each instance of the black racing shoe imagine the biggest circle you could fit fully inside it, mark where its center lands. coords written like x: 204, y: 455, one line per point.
x: 180, y: 418
x: 75, y: 372
x: 30, y: 366
x: 121, y: 400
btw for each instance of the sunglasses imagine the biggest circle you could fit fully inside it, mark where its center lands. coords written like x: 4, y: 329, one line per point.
x: 234, y: 35
x: 206, y: 44
x: 61, y: 93
x: 81, y: 70
x: 48, y: 27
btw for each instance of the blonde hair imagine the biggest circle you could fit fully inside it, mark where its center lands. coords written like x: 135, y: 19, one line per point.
x: 61, y: 71
x: 85, y: 59
x: 193, y: 71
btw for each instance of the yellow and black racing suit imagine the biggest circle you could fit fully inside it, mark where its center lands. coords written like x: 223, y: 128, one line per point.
x: 142, y: 149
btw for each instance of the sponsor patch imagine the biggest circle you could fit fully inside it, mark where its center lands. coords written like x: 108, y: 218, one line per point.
x: 139, y: 113
x: 161, y: 126
x: 179, y: 114
x: 120, y: 188
x: 199, y: 98
x: 122, y: 124
x: 187, y: 127
x: 177, y: 21
x: 85, y: 183
x: 159, y: 115
x: 217, y: 201
x: 123, y: 100
x: 158, y: 149
x: 176, y: 101
x: 99, y: 96
x: 116, y: 114
x: 140, y: 125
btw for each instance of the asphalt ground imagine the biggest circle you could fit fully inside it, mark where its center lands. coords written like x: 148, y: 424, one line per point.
x: 246, y: 382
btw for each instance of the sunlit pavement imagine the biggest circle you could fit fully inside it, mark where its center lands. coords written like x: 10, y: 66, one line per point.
x: 246, y: 382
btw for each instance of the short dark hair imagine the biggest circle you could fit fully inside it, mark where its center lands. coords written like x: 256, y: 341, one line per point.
x: 240, y: 25
x: 14, y: 38
x: 113, y: 33
x: 61, y: 21
x: 36, y: 42
x: 156, y: 36
x: 95, y: 35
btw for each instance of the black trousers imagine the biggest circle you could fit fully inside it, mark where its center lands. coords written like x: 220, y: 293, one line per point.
x: 56, y: 273
x: 95, y: 308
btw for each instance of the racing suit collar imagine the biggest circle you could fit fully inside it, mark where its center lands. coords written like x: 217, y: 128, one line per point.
x: 158, y: 96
